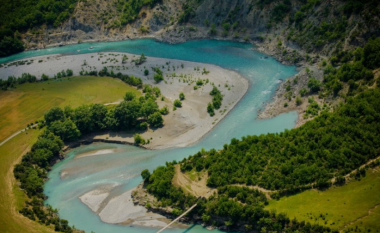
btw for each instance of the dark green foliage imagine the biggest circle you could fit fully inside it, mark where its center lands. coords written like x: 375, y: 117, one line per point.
x: 145, y: 174
x: 372, y: 54
x: 188, y: 12
x: 17, y: 15
x: 158, y: 77
x: 130, y: 9
x: 140, y: 60
x: 313, y: 108
x: 138, y: 139
x: 181, y: 96
x: 10, y: 45
x: 333, y: 144
x: 303, y: 92
x: 355, y: 71
x: 129, y: 79
x: 44, y: 77
x: 217, y: 98
x: 12, y: 81
x: 148, y: 108
x: 353, y: 6
x: 231, y: 205
x: 164, y: 110
x: 155, y: 120
x: 177, y: 103
x: 32, y: 172
x: 210, y: 109
x: 66, y: 130
x: 68, y: 125
x: 159, y: 184
x: 126, y: 114
x: 314, y: 85
x: 280, y: 11
x: 54, y: 114
x: 98, y: 116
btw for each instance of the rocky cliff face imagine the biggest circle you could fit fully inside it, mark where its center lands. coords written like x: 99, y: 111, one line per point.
x: 314, y: 26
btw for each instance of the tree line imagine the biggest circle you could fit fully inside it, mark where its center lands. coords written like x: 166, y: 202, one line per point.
x: 132, y: 113
x: 331, y: 145
x: 12, y: 81
x: 233, y: 208
x: 69, y: 124
x: 32, y: 172
x: 355, y: 69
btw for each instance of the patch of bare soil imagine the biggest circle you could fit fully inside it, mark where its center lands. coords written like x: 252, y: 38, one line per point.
x: 197, y: 187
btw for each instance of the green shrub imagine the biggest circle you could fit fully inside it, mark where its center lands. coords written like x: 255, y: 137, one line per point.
x: 210, y: 109
x: 181, y: 96
x: 177, y: 103
x: 164, y: 110
x: 138, y: 139
x: 156, y: 120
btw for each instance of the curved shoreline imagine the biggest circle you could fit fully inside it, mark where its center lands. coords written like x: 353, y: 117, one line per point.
x: 183, y: 127
x: 231, y: 107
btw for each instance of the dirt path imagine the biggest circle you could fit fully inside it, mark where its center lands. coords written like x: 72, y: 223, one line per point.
x: 360, y: 218
x: 197, y: 188
x: 15, y: 134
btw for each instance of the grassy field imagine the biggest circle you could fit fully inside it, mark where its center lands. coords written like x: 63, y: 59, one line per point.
x: 11, y: 197
x: 340, y: 208
x: 24, y: 105
x: 28, y: 102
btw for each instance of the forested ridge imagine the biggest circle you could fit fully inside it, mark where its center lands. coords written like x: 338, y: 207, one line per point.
x: 17, y: 16
x: 321, y: 153
x: 331, y: 145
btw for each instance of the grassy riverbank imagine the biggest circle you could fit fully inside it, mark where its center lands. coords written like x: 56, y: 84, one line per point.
x: 12, y: 198
x: 338, y: 207
x: 24, y: 105
x: 28, y: 102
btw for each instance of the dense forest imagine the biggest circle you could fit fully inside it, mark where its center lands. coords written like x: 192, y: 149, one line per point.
x: 18, y: 16
x: 319, y: 154
x: 332, y: 145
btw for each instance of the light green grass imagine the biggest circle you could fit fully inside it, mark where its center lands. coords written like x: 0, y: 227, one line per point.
x: 372, y: 222
x: 28, y: 102
x: 24, y: 105
x: 12, y: 198
x: 337, y: 206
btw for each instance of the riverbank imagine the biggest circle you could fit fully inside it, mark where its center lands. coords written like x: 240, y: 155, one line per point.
x: 287, y: 53
x: 182, y: 127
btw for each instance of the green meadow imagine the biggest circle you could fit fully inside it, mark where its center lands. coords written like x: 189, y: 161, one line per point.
x: 28, y: 102
x: 343, y: 207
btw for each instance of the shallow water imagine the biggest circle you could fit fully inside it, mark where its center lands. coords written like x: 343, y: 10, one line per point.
x: 123, y: 167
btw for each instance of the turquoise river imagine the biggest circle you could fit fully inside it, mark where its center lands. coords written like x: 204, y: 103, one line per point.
x: 123, y: 168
